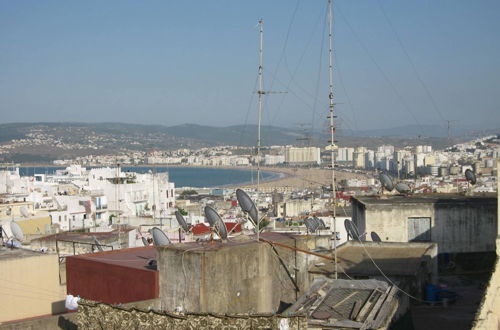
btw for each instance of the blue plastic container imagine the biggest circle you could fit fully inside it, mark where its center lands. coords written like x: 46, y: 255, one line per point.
x: 430, y: 292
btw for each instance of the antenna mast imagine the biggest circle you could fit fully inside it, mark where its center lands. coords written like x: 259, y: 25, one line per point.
x: 332, y: 128
x: 261, y: 92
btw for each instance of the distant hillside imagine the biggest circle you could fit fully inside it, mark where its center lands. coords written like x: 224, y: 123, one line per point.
x: 25, y: 142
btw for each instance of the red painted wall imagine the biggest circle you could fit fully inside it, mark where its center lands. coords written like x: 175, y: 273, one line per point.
x: 113, y: 284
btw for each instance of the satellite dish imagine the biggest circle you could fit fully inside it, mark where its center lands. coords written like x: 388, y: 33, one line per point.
x: 311, y: 224
x: 386, y: 181
x: 403, y: 188
x: 216, y: 222
x: 17, y: 232
x: 182, y: 222
x: 375, y: 237
x: 145, y: 241
x: 247, y: 205
x: 351, y: 229
x: 159, y: 237
x: 470, y: 176
x: 99, y: 247
x: 322, y: 224
x: 24, y: 211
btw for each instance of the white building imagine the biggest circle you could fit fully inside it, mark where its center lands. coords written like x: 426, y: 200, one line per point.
x: 306, y: 155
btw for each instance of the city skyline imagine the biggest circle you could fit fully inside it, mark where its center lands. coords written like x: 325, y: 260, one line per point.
x: 396, y: 63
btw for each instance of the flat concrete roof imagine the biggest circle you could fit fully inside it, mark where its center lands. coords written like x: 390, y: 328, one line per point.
x: 84, y: 237
x: 133, y: 257
x: 239, y: 240
x: 8, y: 253
x: 427, y: 198
x: 393, y: 258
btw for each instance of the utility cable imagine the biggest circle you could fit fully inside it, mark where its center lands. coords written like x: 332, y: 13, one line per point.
x: 379, y: 68
x: 412, y: 64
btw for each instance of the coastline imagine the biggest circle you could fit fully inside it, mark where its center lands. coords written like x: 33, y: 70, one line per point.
x: 288, y: 177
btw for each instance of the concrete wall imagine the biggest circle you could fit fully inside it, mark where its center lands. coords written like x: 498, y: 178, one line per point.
x: 488, y: 316
x: 234, y: 278
x: 457, y: 226
x: 29, y: 287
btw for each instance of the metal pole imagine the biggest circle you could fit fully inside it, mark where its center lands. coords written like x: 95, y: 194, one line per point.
x: 332, y: 126
x: 260, y: 92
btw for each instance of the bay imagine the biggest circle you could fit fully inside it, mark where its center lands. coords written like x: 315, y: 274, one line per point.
x: 196, y: 177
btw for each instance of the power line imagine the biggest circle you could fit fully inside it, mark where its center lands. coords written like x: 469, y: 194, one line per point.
x: 379, y: 68
x: 419, y: 78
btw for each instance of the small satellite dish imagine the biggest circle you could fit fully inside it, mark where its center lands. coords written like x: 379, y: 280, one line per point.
x: 470, y: 176
x: 247, y: 205
x: 386, y: 181
x: 182, y: 222
x: 98, y: 245
x: 17, y: 232
x: 145, y: 241
x: 375, y: 237
x: 159, y: 237
x: 24, y: 211
x: 216, y: 222
x: 311, y: 224
x: 403, y: 188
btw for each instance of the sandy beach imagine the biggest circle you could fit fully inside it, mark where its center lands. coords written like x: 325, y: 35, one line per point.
x: 303, y: 177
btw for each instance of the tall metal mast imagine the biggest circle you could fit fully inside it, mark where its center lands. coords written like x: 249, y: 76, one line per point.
x: 260, y: 92
x: 332, y: 128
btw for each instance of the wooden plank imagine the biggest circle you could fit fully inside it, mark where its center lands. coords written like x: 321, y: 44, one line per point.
x: 375, y: 309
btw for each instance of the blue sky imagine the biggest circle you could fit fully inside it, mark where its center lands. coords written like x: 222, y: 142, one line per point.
x: 172, y: 62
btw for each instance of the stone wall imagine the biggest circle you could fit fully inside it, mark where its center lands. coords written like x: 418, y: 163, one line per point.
x: 92, y: 315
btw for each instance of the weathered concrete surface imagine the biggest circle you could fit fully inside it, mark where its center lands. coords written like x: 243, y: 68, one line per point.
x: 235, y: 277
x: 458, y: 223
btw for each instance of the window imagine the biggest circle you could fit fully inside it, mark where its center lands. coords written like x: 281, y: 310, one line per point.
x: 419, y: 229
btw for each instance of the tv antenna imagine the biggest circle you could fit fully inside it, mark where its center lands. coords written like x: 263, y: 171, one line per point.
x: 471, y: 178
x: 159, y: 237
x: 386, y: 182
x: 402, y: 188
x: 332, y: 116
x: 261, y: 92
x: 216, y: 222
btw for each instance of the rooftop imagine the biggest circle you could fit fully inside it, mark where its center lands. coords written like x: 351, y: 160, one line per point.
x: 133, y: 257
x: 8, y: 253
x: 426, y: 198
x: 403, y: 259
x: 239, y: 240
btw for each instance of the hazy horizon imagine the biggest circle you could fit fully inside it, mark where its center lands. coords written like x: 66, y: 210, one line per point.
x: 397, y: 63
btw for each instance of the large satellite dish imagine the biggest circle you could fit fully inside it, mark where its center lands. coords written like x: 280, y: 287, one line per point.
x: 351, y: 229
x: 247, y: 205
x: 375, y: 237
x: 322, y: 224
x: 182, y: 222
x: 403, y: 188
x: 216, y: 222
x: 386, y: 181
x: 159, y: 237
x: 17, y: 232
x: 24, y: 211
x: 311, y: 224
x: 470, y: 176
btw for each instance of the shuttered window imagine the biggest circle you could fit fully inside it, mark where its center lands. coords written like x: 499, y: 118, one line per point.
x: 419, y: 229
